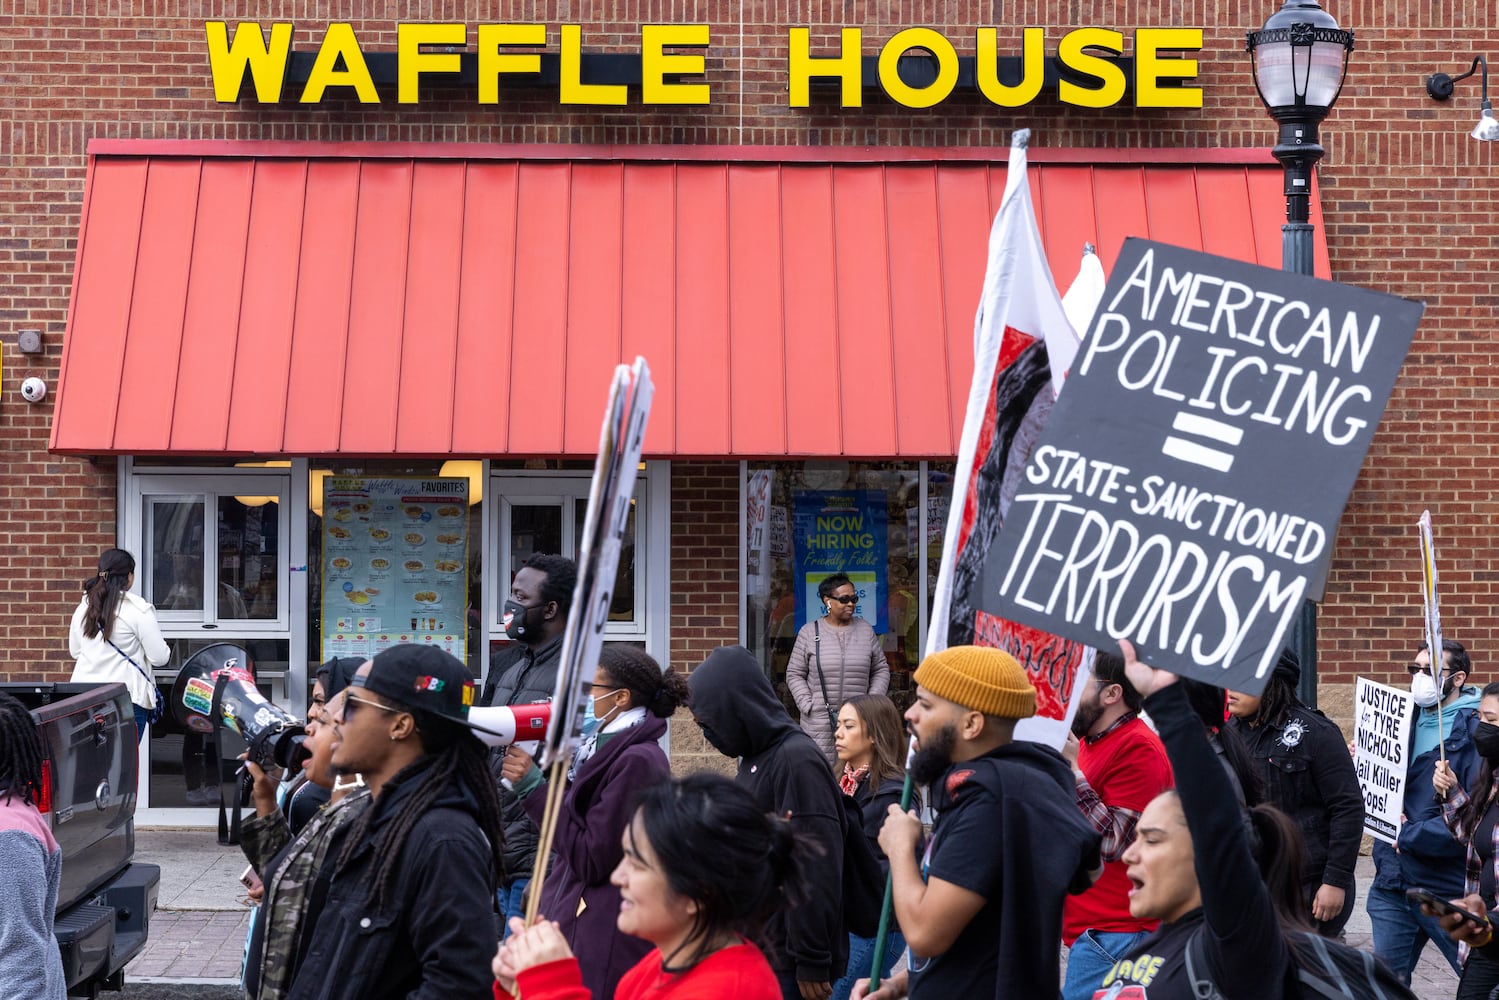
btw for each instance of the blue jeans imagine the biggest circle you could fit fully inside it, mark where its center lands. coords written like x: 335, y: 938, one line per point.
x: 1401, y: 930
x: 1091, y: 957
x: 141, y: 715
x: 512, y: 898
x: 860, y: 957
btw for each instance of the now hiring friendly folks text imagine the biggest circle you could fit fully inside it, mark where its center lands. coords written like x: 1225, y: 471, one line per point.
x: 1218, y: 568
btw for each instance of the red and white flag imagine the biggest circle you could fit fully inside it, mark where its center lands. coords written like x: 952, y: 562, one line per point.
x: 1019, y: 306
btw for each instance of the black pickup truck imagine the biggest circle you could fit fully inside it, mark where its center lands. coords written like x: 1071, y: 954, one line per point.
x: 104, y: 905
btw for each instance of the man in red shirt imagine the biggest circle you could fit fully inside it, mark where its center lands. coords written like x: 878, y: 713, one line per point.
x: 1120, y: 766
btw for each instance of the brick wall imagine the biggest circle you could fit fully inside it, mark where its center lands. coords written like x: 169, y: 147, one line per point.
x: 1408, y: 202
x: 705, y: 604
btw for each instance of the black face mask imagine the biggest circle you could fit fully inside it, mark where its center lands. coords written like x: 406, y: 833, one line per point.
x: 714, y: 740
x: 519, y: 626
x: 1486, y: 741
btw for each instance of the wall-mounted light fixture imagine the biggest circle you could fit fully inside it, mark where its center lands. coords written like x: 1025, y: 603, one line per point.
x: 1439, y: 86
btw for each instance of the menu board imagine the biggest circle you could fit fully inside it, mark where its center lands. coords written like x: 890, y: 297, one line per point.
x: 395, y: 564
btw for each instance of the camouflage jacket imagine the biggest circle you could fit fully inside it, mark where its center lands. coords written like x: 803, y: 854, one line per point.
x: 290, y: 868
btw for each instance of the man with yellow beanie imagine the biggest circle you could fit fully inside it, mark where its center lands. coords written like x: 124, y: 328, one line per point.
x: 982, y: 908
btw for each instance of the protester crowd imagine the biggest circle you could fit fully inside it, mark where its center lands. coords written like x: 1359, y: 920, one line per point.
x: 1187, y: 842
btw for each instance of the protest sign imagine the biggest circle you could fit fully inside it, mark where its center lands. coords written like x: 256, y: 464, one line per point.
x: 1382, y: 719
x: 1431, y: 615
x: 621, y: 439
x: 1185, y: 492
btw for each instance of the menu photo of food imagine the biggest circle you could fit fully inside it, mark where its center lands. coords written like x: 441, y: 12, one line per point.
x: 395, y: 548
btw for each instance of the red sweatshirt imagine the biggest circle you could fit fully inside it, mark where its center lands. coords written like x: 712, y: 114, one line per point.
x: 740, y: 972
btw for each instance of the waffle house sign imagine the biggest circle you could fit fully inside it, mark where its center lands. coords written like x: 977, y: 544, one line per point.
x: 668, y: 66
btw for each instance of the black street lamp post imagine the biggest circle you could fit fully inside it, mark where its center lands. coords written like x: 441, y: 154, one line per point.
x: 1300, y: 58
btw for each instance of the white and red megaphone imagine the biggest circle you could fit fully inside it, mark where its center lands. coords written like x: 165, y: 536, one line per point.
x: 502, y: 725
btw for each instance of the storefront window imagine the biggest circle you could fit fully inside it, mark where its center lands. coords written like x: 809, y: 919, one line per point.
x: 807, y: 521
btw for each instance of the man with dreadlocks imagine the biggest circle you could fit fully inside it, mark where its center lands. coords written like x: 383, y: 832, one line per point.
x: 410, y: 910
x: 30, y: 865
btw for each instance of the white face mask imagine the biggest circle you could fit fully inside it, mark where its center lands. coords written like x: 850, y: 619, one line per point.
x: 1424, y: 691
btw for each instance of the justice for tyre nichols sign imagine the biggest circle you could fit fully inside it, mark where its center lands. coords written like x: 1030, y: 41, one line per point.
x: 1186, y: 491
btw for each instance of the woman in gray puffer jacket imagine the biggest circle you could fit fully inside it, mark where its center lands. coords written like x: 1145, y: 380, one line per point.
x: 837, y: 655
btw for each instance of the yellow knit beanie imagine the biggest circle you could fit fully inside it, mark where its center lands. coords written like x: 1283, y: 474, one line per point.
x: 980, y: 678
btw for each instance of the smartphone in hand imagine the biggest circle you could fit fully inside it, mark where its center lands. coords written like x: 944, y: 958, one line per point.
x: 249, y: 878
x: 1443, y: 907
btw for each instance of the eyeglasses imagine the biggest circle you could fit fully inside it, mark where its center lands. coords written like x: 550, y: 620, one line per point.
x: 846, y: 599
x: 349, y: 699
x: 1416, y: 668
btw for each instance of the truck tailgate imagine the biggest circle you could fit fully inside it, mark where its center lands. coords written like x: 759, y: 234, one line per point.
x: 90, y: 747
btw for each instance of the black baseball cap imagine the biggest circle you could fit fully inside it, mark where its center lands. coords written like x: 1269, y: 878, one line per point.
x: 424, y: 678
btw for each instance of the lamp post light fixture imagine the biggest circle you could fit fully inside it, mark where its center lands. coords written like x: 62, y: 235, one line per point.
x: 1439, y: 86
x: 1300, y: 58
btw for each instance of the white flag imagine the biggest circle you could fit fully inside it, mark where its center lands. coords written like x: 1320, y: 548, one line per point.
x: 1080, y: 303
x: 1018, y: 307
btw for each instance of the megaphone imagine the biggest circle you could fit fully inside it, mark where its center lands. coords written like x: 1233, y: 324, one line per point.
x: 502, y: 725
x: 272, y: 735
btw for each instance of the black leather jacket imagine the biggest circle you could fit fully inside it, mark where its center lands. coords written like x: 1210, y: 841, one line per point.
x: 518, y: 675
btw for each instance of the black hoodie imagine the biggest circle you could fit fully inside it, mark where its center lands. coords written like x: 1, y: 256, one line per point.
x: 787, y: 774
x: 1008, y: 828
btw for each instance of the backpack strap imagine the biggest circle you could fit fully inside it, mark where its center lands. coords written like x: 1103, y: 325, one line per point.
x: 1327, y: 981
x: 1195, y: 955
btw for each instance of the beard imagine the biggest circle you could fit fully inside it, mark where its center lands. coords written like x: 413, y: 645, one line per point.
x: 1085, y: 718
x: 935, y: 756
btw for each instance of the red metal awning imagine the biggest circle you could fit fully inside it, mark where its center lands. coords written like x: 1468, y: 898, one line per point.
x: 391, y: 299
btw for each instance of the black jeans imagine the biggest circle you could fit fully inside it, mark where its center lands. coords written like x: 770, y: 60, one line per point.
x: 1330, y: 928
x: 1480, y: 978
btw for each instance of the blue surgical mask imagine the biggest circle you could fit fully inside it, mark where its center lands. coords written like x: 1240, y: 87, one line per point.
x: 592, y: 722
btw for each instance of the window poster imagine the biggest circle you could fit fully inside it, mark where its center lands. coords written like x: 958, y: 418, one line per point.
x: 841, y: 531
x: 395, y: 564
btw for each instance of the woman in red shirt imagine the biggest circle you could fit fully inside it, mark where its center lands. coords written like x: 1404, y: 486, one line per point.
x: 700, y: 906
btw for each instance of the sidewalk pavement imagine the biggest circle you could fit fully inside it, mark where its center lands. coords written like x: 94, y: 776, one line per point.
x: 198, y: 930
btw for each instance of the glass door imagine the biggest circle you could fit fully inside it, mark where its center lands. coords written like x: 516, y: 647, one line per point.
x: 534, y: 513
x: 213, y: 555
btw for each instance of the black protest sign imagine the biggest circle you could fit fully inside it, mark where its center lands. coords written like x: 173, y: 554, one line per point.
x: 1187, y: 489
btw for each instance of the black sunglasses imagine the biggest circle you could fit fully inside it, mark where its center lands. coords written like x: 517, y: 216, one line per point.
x: 846, y: 599
x: 1416, y: 668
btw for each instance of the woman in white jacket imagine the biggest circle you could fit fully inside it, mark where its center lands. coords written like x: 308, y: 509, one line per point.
x: 115, y: 636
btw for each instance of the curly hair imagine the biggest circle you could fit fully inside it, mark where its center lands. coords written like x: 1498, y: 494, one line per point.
x: 660, y: 692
